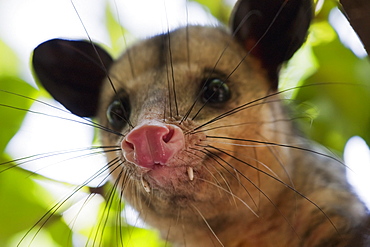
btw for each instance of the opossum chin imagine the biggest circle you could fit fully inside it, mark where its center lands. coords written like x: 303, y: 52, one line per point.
x: 163, y: 175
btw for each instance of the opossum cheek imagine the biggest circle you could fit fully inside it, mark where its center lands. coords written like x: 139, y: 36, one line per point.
x: 152, y: 143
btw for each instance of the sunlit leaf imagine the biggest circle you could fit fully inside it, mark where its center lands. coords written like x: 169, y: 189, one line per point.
x: 344, y: 103
x: 119, y: 36
x: 11, y: 118
x: 13, y: 107
x: 142, y: 238
x: 23, y: 201
x: 60, y: 232
x: 8, y: 66
x: 218, y: 8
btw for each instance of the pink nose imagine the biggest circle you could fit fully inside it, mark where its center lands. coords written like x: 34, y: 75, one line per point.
x: 152, y: 143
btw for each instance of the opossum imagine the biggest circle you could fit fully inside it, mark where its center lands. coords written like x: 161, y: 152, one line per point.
x: 198, y: 139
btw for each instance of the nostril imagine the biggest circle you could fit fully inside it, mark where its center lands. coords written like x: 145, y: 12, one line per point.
x: 129, y: 145
x: 167, y: 137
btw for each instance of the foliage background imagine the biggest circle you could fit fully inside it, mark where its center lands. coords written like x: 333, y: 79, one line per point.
x: 329, y: 113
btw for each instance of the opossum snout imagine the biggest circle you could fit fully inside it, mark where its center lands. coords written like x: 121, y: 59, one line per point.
x: 152, y: 143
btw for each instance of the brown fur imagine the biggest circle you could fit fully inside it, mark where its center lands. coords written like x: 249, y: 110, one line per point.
x: 285, y: 218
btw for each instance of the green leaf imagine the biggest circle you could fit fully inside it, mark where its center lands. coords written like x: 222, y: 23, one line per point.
x: 342, y: 101
x: 60, y: 232
x: 8, y: 66
x: 119, y: 36
x: 13, y: 106
x: 218, y: 8
x: 143, y: 238
x: 22, y: 200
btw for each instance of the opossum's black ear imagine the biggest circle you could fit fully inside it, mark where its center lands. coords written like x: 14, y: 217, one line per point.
x: 272, y: 30
x: 72, y: 72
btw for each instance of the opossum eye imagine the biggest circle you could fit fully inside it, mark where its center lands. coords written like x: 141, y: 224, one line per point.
x: 216, y: 91
x: 118, y: 111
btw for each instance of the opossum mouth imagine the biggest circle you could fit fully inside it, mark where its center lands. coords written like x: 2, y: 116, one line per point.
x: 165, y: 177
x: 177, y: 176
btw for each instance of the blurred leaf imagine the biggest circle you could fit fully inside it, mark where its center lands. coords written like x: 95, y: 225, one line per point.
x: 302, y: 65
x: 23, y: 201
x: 111, y: 228
x: 60, y: 232
x: 8, y: 66
x: 343, y: 106
x: 119, y: 36
x: 11, y: 118
x: 218, y: 8
x: 13, y: 107
x: 143, y: 238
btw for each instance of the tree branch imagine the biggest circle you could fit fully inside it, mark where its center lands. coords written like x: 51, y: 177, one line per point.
x: 358, y: 15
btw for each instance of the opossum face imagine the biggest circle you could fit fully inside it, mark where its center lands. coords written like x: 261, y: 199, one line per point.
x: 170, y: 154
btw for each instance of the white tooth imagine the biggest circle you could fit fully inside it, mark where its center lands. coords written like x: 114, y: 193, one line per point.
x: 190, y: 173
x: 145, y: 185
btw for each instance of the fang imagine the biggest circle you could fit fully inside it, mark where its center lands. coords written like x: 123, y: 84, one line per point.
x: 190, y: 172
x: 145, y: 185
